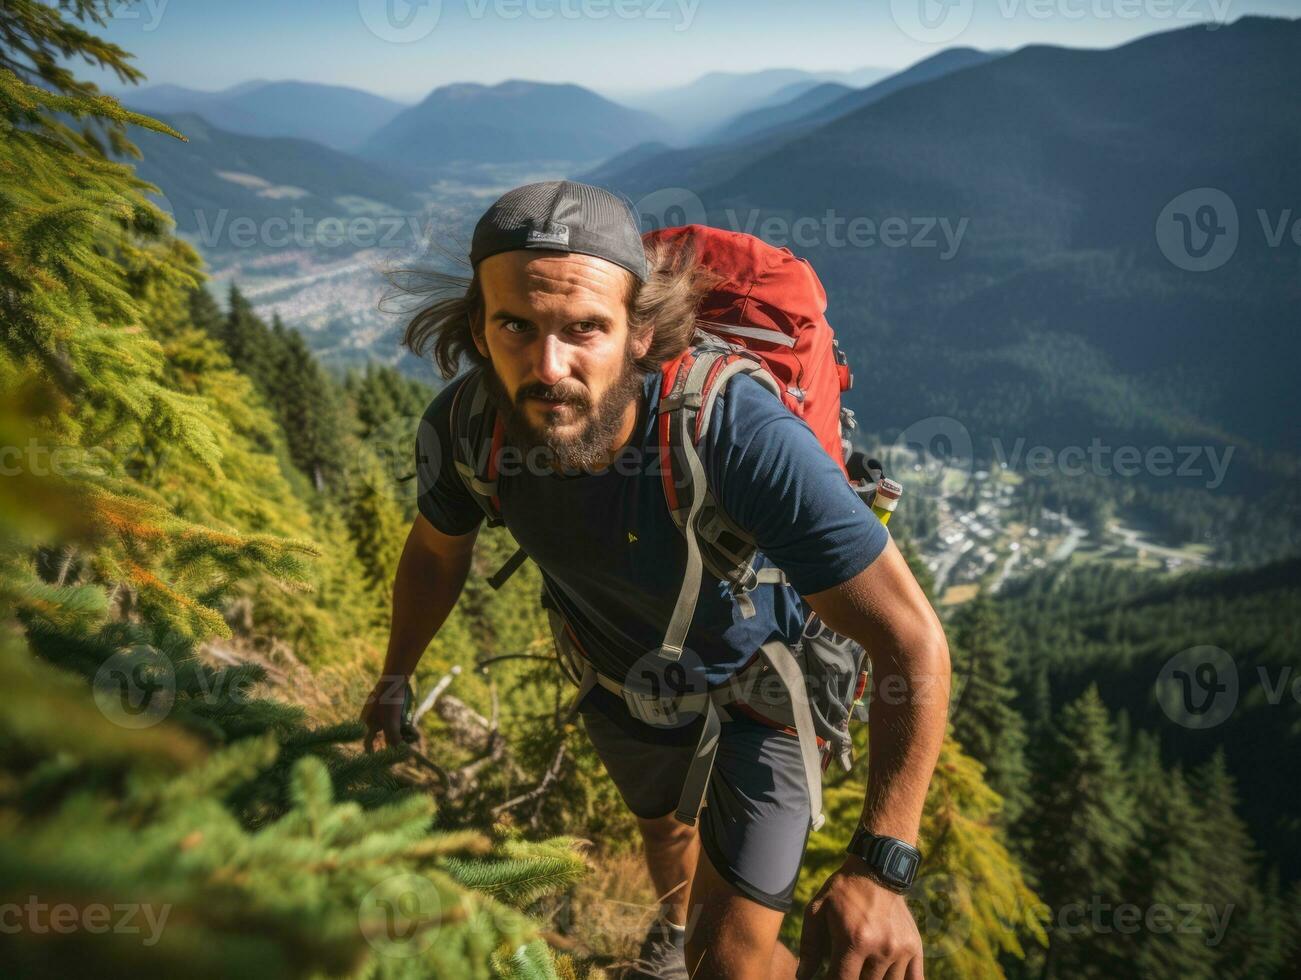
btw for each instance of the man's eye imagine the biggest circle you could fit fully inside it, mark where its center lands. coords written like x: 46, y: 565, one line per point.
x: 590, y: 325
x: 508, y: 325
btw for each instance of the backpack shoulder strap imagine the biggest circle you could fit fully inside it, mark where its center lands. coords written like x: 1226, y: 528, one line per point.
x: 690, y: 384
x: 476, y: 440
x: 477, y: 437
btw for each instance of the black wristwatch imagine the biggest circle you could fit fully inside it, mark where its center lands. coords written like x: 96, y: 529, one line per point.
x: 891, y: 863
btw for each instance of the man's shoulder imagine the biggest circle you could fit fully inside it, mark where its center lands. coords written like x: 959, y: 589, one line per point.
x: 745, y: 406
x: 434, y: 433
x: 436, y: 421
x: 440, y: 406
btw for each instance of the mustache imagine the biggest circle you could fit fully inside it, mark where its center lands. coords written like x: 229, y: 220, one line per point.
x: 551, y: 393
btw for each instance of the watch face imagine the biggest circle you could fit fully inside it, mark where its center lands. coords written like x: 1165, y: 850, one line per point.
x: 900, y: 864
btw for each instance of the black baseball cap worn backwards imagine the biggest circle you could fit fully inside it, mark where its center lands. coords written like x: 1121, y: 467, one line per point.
x: 562, y: 215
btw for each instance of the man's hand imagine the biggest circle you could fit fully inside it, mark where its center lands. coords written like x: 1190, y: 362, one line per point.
x: 382, y: 712
x: 862, y: 929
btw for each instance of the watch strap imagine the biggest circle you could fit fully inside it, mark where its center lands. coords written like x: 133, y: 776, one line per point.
x: 891, y: 863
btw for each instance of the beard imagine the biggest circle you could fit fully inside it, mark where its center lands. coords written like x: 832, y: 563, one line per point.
x: 588, y: 448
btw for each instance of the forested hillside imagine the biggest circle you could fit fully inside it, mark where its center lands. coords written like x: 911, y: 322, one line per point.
x: 150, y: 499
x: 991, y: 245
x: 200, y: 526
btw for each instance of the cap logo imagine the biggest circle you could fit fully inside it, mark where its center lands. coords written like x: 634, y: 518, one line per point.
x: 554, y: 234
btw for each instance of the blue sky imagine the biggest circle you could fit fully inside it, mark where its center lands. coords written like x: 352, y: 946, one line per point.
x: 404, y: 48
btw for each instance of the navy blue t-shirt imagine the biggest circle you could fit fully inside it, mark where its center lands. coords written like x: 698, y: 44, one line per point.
x: 612, y: 558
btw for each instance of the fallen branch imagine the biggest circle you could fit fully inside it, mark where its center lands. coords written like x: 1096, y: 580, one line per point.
x: 443, y: 684
x: 553, y: 771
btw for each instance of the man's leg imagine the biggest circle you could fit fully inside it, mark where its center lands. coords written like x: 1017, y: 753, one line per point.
x: 648, y: 774
x: 672, y: 850
x: 732, y: 936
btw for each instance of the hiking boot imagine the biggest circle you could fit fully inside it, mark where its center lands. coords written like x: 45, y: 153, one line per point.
x: 663, y: 954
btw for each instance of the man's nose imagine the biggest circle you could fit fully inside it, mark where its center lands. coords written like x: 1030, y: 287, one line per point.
x: 551, y: 362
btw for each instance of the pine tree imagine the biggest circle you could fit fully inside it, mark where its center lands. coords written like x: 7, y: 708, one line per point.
x: 1228, y: 861
x: 1292, y: 931
x: 307, y: 403
x: 971, y: 901
x: 375, y: 525
x: 984, y: 720
x: 280, y: 850
x: 379, y: 394
x: 249, y: 344
x: 1166, y: 876
x: 1080, y: 838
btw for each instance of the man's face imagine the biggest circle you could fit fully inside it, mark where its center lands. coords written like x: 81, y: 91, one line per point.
x: 563, y: 363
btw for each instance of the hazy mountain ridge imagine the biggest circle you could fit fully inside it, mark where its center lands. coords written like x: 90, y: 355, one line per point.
x: 736, y: 143
x: 219, y: 176
x: 511, y: 121
x: 1059, y: 162
x: 701, y: 105
x: 334, y: 115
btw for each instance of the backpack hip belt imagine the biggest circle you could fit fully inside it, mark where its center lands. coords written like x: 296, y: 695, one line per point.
x: 740, y: 691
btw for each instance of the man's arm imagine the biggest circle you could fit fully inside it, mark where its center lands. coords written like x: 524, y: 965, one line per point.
x: 430, y: 576
x: 862, y: 927
x: 884, y: 609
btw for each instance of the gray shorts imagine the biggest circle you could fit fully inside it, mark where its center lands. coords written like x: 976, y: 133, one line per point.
x: 755, y: 822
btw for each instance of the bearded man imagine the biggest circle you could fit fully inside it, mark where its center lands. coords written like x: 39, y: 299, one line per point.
x: 566, y: 319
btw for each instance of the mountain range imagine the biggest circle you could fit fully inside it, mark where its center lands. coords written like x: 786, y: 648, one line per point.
x: 334, y: 115
x: 1033, y: 283
x: 218, y: 177
x: 1028, y: 223
x: 508, y: 122
x: 486, y: 123
x: 700, y: 106
x: 728, y: 148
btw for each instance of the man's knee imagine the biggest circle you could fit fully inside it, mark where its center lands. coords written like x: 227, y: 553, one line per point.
x: 665, y: 831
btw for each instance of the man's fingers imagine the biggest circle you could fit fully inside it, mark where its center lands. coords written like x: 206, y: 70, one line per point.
x: 898, y: 970
x: 847, y: 963
x: 813, y: 944
x: 915, y: 970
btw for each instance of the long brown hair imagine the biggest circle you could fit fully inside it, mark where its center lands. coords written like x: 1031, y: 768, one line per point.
x: 665, y: 304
